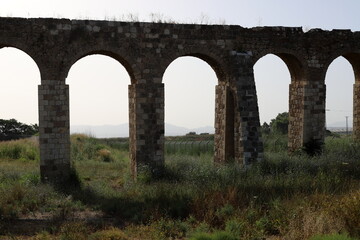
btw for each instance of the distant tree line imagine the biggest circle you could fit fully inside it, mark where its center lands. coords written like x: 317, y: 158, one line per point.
x: 12, y: 129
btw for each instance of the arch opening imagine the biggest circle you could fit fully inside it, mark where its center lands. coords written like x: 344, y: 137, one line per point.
x: 125, y: 64
x: 98, y: 87
x: 340, y: 79
x: 272, y: 74
x: 19, y: 89
x: 189, y: 100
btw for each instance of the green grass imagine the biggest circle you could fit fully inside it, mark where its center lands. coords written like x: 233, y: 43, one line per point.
x: 296, y: 197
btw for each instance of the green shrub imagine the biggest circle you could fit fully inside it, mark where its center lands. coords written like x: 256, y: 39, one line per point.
x: 171, y: 229
x: 235, y: 227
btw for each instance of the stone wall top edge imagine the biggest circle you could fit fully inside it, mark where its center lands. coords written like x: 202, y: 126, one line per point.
x: 144, y: 24
x: 116, y: 23
x: 176, y: 26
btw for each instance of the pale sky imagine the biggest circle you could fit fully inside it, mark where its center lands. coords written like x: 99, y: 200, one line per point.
x: 98, y: 84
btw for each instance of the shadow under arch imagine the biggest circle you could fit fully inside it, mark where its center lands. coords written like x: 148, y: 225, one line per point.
x: 107, y: 53
x: 225, y: 107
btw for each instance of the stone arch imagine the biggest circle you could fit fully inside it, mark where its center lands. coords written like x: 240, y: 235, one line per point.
x: 296, y: 66
x: 28, y: 52
x: 295, y: 62
x: 196, y: 79
x: 123, y: 59
x: 211, y: 56
x: 226, y: 109
x: 107, y: 84
x: 353, y: 57
x: 26, y: 80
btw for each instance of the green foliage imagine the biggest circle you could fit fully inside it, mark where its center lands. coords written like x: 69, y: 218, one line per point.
x: 280, y: 123
x: 275, y: 143
x: 84, y: 147
x: 235, y: 227
x: 12, y: 129
x: 20, y: 198
x: 191, y: 144
x: 171, y: 229
x: 25, y: 149
x: 265, y: 128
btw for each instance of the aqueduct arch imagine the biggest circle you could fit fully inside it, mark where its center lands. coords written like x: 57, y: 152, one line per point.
x: 19, y: 87
x: 55, y: 44
x: 224, y: 106
x: 353, y: 57
x: 295, y: 65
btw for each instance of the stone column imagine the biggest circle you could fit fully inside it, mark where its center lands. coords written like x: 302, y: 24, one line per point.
x: 296, y: 116
x: 220, y: 123
x: 307, y: 115
x: 146, y: 113
x: 314, y: 113
x: 224, y: 124
x: 356, y: 111
x: 249, y: 137
x: 54, y: 131
x: 248, y: 147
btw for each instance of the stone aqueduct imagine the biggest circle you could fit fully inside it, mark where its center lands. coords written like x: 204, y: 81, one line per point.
x: 146, y: 50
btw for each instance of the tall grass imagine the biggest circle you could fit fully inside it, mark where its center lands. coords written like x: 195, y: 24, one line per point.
x: 288, y: 197
x: 24, y: 149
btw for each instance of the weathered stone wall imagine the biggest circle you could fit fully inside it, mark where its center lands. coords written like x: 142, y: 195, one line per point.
x: 54, y: 130
x: 147, y: 49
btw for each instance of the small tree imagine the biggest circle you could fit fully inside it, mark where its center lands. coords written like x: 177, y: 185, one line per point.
x: 280, y: 123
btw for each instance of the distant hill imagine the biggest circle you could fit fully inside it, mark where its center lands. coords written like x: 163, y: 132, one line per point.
x: 122, y: 130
